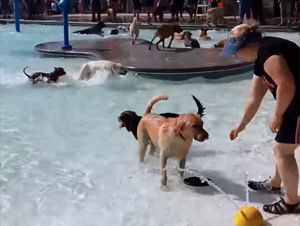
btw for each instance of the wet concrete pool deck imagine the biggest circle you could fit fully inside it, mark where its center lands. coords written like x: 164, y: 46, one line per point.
x: 167, y: 64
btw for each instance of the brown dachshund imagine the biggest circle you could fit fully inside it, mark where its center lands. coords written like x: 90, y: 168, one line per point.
x: 203, y: 35
x: 165, y: 31
x: 171, y: 136
x: 220, y: 44
x: 50, y: 77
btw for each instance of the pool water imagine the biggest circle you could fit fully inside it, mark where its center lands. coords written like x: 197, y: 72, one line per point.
x: 65, y: 162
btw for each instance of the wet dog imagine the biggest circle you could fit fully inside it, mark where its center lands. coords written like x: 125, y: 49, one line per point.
x: 134, y: 30
x: 165, y: 31
x: 119, y: 30
x: 203, y: 35
x: 95, y: 30
x: 220, y: 44
x: 130, y: 120
x: 189, y: 41
x: 172, y: 137
x: 91, y: 67
x: 51, y: 77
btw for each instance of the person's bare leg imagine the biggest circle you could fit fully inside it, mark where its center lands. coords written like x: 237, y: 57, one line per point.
x: 288, y: 170
x: 275, y: 180
x: 281, y: 15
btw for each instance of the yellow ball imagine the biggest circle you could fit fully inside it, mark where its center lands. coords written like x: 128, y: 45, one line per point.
x: 136, y: 74
x: 248, y: 216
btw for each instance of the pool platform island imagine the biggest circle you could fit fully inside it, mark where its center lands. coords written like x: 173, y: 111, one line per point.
x: 173, y: 64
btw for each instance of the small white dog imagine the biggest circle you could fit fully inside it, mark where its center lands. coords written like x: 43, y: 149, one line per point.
x: 134, y: 30
x: 90, y: 68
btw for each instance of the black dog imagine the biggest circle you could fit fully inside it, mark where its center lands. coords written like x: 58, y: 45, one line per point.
x: 130, y: 119
x: 95, y: 30
x: 189, y: 41
x: 51, y: 77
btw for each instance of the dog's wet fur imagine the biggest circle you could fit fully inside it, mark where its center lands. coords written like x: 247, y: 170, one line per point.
x: 51, y: 77
x: 130, y: 120
x: 95, y: 30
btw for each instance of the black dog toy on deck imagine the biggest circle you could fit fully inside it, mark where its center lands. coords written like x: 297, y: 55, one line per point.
x: 196, y: 182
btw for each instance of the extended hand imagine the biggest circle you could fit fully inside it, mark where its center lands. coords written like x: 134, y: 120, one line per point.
x: 275, y: 123
x: 235, y: 131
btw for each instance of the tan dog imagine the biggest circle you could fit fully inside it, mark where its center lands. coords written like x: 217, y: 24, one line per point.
x: 203, y: 35
x: 165, y: 31
x: 220, y: 44
x: 171, y: 136
x: 134, y: 30
x: 214, y: 15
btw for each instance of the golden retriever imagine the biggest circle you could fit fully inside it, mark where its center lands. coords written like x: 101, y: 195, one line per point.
x: 171, y: 136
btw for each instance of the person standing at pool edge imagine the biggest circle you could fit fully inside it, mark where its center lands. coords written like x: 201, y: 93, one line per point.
x: 276, y: 67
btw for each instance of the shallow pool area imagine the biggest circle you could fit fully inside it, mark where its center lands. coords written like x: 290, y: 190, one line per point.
x: 65, y: 162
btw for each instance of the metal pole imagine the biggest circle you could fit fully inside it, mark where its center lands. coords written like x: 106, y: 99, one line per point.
x: 16, y: 16
x: 65, y: 5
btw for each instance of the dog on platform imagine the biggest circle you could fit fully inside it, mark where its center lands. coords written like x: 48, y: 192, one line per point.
x: 189, y: 41
x: 165, y: 31
x: 134, y: 30
x: 172, y: 137
x: 91, y: 67
x: 43, y: 77
x: 95, y: 30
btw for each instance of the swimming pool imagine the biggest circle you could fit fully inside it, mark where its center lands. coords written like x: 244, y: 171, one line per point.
x: 64, y: 160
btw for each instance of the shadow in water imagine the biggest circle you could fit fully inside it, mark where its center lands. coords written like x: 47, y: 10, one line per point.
x: 230, y: 187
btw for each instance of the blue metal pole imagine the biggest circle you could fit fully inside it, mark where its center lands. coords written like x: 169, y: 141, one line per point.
x: 66, y: 31
x: 16, y: 16
x: 65, y: 5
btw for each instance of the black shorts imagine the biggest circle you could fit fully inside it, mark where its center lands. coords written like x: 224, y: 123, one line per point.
x: 136, y: 4
x: 289, y: 132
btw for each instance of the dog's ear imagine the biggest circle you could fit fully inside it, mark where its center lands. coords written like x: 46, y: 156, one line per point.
x: 178, y: 127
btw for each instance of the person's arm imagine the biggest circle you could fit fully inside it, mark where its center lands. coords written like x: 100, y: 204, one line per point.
x: 257, y: 92
x: 278, y: 69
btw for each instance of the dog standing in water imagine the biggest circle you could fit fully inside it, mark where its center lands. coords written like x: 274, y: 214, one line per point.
x: 134, y: 30
x: 91, y: 67
x: 171, y: 136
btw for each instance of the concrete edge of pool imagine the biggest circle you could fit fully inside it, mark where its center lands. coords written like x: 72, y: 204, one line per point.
x: 168, y: 64
x: 266, y: 28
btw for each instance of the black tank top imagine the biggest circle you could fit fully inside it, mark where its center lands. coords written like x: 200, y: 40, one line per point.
x: 270, y: 46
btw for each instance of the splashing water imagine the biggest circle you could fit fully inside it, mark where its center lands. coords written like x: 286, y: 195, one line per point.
x: 247, y: 189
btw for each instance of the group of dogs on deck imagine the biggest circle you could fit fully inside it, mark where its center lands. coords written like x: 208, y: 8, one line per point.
x: 162, y: 32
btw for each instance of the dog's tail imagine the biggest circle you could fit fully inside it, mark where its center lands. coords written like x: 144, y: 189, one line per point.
x: 153, y: 101
x: 26, y: 73
x: 200, y: 106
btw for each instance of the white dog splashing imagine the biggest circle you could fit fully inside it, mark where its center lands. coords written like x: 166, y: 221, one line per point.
x: 97, y: 72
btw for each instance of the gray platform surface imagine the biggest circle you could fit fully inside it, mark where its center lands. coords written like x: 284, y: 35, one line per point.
x: 170, y: 64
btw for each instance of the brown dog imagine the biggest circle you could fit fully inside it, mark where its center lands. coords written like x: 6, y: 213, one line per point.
x: 171, y: 136
x: 220, y: 44
x: 203, y: 35
x: 165, y: 31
